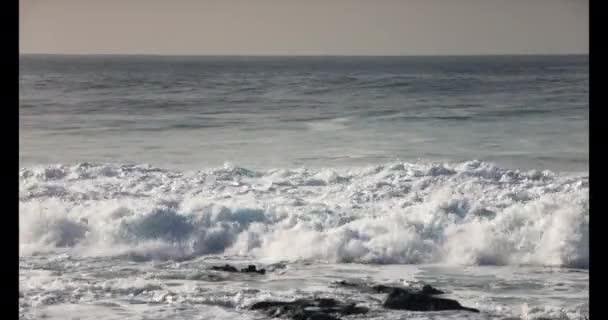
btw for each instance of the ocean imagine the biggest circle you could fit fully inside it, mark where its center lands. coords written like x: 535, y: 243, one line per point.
x: 140, y: 173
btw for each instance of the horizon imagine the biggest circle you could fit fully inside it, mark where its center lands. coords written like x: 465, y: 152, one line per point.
x: 306, y: 55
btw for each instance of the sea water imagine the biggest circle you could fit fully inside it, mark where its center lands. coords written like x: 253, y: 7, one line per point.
x: 138, y: 173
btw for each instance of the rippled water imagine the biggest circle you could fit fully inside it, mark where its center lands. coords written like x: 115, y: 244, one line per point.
x: 197, y: 112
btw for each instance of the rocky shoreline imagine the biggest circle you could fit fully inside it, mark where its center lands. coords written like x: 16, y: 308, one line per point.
x: 421, y: 299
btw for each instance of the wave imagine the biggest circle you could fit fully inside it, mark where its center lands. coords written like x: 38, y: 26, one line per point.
x: 471, y: 213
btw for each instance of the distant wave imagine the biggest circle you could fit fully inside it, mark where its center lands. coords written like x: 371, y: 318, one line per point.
x: 471, y: 213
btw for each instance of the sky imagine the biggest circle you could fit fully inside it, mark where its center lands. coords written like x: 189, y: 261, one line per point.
x: 304, y: 27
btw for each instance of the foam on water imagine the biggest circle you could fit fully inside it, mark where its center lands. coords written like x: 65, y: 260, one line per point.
x: 53, y: 286
x: 471, y: 213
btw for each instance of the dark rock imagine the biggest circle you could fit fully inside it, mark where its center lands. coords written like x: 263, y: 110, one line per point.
x: 384, y: 289
x: 380, y: 288
x: 406, y: 300
x: 353, y: 309
x: 229, y: 268
x: 267, y: 304
x: 252, y: 268
x: 428, y: 290
x: 308, y: 309
x: 226, y: 268
x: 345, y: 283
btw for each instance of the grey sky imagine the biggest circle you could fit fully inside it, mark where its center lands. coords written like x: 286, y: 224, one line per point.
x: 362, y: 27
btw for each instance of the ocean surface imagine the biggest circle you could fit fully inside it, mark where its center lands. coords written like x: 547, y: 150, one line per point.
x: 139, y: 173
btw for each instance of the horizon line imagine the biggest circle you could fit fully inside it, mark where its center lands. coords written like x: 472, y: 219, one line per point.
x: 301, y: 55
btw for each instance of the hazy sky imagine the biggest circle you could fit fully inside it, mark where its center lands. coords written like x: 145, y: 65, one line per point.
x: 305, y: 26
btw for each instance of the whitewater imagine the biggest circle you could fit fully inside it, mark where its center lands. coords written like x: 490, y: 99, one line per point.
x: 471, y: 213
x: 462, y: 214
x: 141, y: 177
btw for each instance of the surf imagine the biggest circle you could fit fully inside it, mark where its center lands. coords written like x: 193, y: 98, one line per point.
x: 467, y: 213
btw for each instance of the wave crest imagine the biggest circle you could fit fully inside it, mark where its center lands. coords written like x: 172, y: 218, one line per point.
x: 463, y: 213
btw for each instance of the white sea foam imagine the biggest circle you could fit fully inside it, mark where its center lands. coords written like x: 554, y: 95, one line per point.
x: 470, y: 213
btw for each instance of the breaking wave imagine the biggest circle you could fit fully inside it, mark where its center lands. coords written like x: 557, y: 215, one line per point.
x: 470, y: 213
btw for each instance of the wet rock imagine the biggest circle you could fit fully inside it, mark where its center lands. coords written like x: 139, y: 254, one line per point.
x: 380, y: 288
x: 384, y: 289
x: 226, y: 268
x: 308, y: 309
x: 344, y: 283
x: 229, y: 268
x: 252, y: 268
x: 365, y: 287
x: 428, y: 290
x: 401, y: 299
